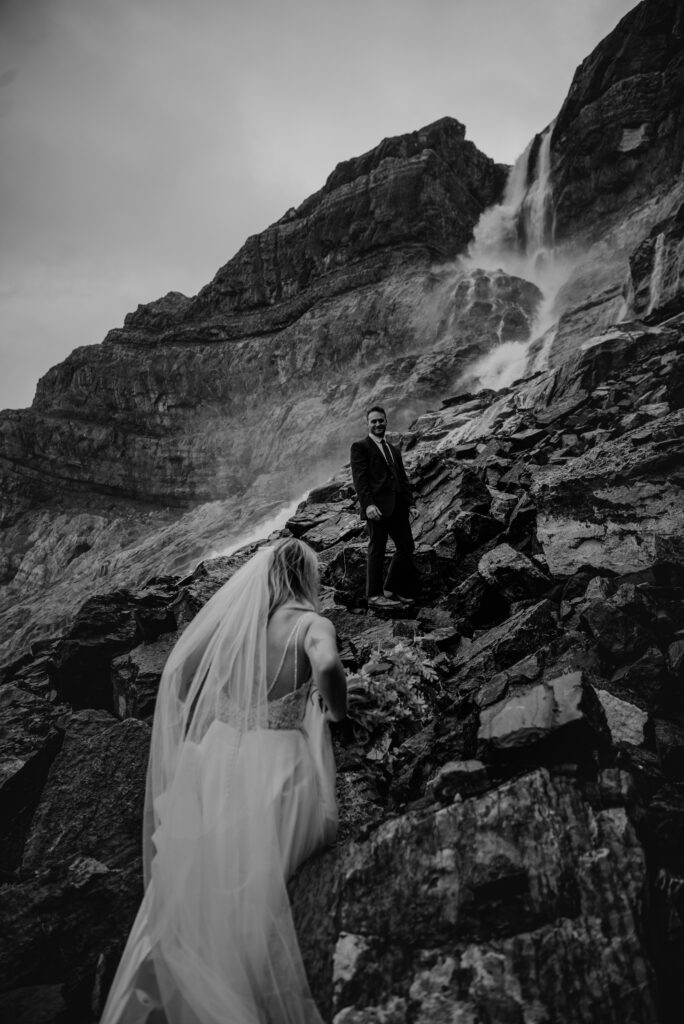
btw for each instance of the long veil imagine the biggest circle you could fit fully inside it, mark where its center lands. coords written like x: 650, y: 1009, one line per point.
x: 231, y: 809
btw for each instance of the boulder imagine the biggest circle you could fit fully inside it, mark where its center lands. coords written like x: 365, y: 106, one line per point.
x: 341, y: 526
x: 503, y: 645
x: 445, y: 489
x: 621, y: 637
x: 490, y: 911
x: 560, y: 715
x: 502, y: 505
x: 466, y: 778
x: 514, y: 574
x: 645, y: 680
x: 478, y: 603
x: 626, y: 721
x: 92, y: 802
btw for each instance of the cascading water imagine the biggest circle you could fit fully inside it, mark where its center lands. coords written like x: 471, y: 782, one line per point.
x: 517, y: 237
x: 655, y: 286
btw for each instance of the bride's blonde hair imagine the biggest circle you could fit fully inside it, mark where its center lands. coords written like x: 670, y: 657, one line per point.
x: 292, y: 574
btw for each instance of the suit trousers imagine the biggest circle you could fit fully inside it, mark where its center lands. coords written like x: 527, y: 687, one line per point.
x: 401, y: 575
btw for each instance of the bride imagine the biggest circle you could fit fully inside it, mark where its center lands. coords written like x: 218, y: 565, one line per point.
x: 240, y: 791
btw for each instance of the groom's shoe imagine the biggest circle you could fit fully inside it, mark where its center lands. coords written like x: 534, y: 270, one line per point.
x: 381, y: 601
x: 391, y: 596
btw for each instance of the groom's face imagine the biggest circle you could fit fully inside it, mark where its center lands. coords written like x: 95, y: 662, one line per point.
x: 377, y: 424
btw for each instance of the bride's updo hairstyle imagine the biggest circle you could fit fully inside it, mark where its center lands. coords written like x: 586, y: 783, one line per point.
x: 292, y: 574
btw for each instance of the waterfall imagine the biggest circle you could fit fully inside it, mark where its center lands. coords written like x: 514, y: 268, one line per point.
x: 655, y: 285
x: 517, y: 236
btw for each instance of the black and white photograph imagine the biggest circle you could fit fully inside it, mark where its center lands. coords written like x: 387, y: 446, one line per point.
x: 341, y: 511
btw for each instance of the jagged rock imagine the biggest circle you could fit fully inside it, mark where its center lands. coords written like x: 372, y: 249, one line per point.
x: 105, y: 626
x: 626, y: 721
x: 31, y: 738
x: 340, y: 527
x: 511, y: 572
x: 522, y: 440
x: 469, y: 530
x: 492, y: 889
x: 476, y: 605
x: 599, y: 588
x: 559, y: 713
x: 505, y: 644
x: 91, y: 805
x: 621, y: 637
x: 502, y: 505
x: 467, y: 778
x: 136, y: 675
x: 645, y: 679
x: 59, y: 923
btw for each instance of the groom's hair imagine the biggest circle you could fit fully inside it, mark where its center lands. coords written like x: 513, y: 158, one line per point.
x: 293, y: 574
x: 376, y: 408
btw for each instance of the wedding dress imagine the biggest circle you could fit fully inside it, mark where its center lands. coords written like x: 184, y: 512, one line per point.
x: 240, y: 793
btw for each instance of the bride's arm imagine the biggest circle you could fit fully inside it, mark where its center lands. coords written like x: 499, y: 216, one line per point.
x: 320, y: 645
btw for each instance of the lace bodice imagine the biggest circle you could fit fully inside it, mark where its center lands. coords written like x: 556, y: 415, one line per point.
x: 285, y: 713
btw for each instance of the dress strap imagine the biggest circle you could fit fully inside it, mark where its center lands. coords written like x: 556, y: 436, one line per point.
x: 293, y: 635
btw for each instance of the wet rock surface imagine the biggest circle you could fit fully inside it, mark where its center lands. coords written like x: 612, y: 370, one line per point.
x: 510, y: 775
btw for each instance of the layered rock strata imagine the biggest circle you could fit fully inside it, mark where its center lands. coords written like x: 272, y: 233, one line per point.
x: 618, y: 138
x: 179, y: 405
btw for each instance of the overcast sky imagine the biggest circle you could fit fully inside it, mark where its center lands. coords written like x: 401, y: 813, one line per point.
x: 141, y: 141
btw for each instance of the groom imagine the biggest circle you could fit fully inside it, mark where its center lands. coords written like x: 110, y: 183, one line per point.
x: 387, y: 505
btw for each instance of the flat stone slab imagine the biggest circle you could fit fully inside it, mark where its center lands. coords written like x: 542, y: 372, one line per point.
x: 532, y: 714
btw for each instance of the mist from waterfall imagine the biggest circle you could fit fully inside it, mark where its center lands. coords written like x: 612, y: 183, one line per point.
x: 263, y: 529
x: 517, y: 236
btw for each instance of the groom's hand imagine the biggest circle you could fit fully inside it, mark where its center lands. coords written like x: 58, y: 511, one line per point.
x: 373, y: 512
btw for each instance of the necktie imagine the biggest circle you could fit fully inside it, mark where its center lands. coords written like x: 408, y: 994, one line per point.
x: 388, y: 455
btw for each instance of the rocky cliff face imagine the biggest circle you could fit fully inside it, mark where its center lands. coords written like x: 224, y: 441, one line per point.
x: 510, y: 775
x: 618, y: 140
x: 617, y: 148
x: 242, y: 397
x: 515, y: 749
x: 170, y: 408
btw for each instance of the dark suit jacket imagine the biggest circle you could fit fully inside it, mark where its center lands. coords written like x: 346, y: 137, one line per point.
x: 374, y: 481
